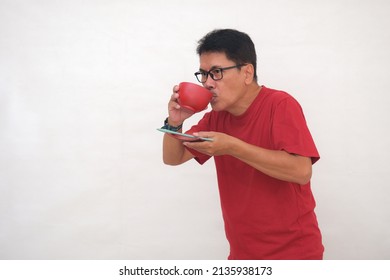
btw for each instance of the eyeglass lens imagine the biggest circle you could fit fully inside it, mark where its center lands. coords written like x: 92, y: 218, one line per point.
x: 215, y: 74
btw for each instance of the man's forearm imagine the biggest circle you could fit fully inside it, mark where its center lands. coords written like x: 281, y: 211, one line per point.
x: 173, y: 151
x: 277, y: 164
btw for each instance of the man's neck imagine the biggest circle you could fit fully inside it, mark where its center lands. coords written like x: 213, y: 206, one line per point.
x: 247, y: 99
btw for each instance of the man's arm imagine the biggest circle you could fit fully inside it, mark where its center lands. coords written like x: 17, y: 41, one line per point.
x: 174, y: 152
x: 277, y: 164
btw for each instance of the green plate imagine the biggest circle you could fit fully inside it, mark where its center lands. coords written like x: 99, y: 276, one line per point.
x: 184, y: 136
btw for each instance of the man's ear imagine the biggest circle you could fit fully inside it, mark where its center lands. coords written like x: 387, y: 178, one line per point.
x: 249, y: 73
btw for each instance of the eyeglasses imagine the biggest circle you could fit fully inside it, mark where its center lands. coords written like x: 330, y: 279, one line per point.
x: 216, y: 74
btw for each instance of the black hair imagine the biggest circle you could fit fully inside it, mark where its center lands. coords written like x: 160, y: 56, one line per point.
x: 236, y: 45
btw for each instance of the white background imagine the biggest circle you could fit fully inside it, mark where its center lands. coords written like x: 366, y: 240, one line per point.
x: 84, y: 84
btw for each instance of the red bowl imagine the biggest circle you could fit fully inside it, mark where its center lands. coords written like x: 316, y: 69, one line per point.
x: 193, y: 97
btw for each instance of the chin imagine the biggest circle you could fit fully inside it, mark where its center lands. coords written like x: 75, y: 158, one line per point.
x: 217, y: 106
x: 214, y: 107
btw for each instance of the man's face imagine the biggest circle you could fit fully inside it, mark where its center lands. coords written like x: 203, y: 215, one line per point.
x: 227, y: 91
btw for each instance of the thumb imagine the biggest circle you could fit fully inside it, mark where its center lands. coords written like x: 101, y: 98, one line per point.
x: 205, y: 134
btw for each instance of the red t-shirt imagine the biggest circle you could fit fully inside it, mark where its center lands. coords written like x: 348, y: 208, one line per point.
x: 265, y: 218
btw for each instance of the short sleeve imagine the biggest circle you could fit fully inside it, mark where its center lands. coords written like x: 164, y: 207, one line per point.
x: 290, y: 132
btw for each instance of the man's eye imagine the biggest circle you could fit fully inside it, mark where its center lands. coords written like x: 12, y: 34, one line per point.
x: 217, y: 71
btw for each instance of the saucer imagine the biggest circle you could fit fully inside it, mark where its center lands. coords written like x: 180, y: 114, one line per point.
x: 184, y: 136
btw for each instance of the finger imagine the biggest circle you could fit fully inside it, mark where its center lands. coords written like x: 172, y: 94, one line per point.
x: 175, y: 98
x: 173, y: 106
x: 204, y: 134
x: 193, y: 145
x: 176, y: 89
x: 202, y: 146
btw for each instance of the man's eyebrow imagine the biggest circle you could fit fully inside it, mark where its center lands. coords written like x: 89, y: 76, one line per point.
x: 212, y: 68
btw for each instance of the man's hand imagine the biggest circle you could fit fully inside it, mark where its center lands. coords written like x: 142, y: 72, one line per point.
x: 221, y: 143
x: 177, y: 114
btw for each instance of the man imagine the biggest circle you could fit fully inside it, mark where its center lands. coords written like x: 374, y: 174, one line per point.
x: 263, y: 152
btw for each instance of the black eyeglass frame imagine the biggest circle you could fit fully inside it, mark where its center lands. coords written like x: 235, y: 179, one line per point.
x: 207, y: 73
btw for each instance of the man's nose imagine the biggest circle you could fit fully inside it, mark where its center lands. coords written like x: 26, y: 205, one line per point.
x: 209, y: 83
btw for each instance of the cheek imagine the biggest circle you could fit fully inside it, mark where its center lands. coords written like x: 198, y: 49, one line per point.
x: 230, y: 93
x: 224, y: 100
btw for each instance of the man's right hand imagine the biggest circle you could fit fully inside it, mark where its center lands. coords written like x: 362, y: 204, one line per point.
x: 176, y: 113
